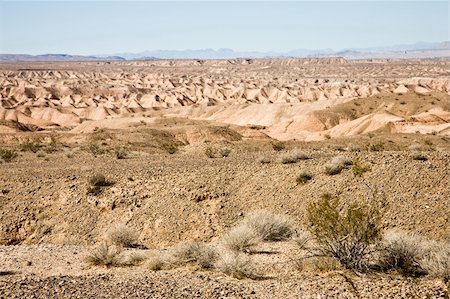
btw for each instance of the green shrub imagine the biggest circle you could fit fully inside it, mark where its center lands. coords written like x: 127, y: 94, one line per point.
x: 7, y: 155
x: 359, y: 169
x: 349, y: 235
x: 30, y: 146
x: 278, y: 145
x: 375, y: 147
x: 210, y: 152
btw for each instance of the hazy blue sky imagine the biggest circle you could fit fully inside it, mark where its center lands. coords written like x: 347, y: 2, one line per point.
x: 107, y: 27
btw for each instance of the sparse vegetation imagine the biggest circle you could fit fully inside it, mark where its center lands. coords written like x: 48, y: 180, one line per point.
x: 210, y: 152
x: 337, y: 164
x: 241, y: 238
x: 121, y: 153
x: 202, y: 254
x: 376, y: 147
x: 359, y: 168
x: 122, y: 235
x: 105, y: 255
x: 31, y: 146
x: 264, y: 160
x: 236, y: 265
x: 294, y: 157
x: 270, y: 227
x: 347, y: 235
x: 171, y: 148
x: 437, y: 260
x: 95, y: 149
x: 96, y: 182
x: 7, y: 155
x: 278, y: 146
x: 403, y: 251
x: 224, y: 152
x: 304, y: 177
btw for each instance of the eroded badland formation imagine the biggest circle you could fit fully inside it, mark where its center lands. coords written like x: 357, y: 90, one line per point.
x: 127, y: 161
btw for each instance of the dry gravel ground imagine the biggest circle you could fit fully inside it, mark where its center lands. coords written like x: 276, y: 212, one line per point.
x: 187, y: 196
x: 50, y: 271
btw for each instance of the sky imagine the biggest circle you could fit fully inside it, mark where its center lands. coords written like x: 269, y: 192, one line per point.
x: 110, y: 27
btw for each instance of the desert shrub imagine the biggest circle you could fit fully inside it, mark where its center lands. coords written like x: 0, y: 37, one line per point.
x: 224, y: 152
x: 170, y: 148
x: 354, y: 148
x: 419, y: 157
x: 133, y: 259
x: 96, y: 182
x: 333, y: 169
x: 240, y: 238
x: 437, y: 260
x: 359, y: 168
x: 294, y: 157
x: 264, y: 160
x: 95, y: 149
x: 7, y: 155
x: 158, y: 262
x: 402, y: 251
x: 278, y: 146
x: 99, y: 180
x: 375, y: 147
x: 336, y: 147
x: 288, y: 159
x: 105, y: 255
x: 30, y: 146
x: 337, y: 164
x: 303, y: 177
x: 121, y: 153
x: 210, y: 152
x: 342, y: 161
x: 415, y: 147
x: 349, y: 235
x: 202, y: 254
x: 236, y: 265
x: 122, y: 235
x: 270, y: 227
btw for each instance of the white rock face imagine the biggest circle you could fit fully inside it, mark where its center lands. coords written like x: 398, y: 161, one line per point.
x: 421, y: 90
x: 401, y: 89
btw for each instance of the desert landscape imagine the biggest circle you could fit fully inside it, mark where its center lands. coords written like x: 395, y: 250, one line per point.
x: 238, y: 178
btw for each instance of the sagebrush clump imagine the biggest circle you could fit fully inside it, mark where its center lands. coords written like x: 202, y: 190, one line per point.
x: 270, y: 227
x: 122, y: 235
x: 240, y: 238
x: 105, y: 255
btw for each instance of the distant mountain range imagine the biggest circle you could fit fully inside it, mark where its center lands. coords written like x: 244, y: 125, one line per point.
x: 417, y: 50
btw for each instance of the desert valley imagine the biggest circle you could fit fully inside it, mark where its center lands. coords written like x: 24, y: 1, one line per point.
x: 238, y: 178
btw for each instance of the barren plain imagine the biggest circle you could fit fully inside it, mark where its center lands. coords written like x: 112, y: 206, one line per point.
x: 182, y: 151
